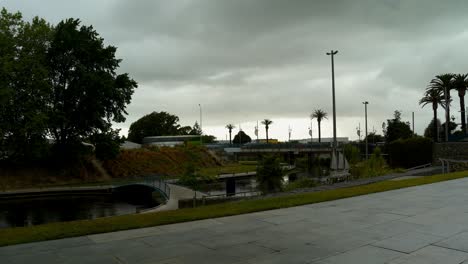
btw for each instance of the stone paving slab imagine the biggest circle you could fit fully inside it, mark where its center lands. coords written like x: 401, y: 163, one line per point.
x: 423, y: 224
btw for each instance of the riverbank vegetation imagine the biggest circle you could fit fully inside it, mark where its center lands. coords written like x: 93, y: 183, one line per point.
x: 18, y: 235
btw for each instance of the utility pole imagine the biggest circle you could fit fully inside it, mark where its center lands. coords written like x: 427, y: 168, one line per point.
x: 414, y: 133
x: 289, y: 133
x: 367, y: 145
x: 332, y: 53
x: 201, y: 129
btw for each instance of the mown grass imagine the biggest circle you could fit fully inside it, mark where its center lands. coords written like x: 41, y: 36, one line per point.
x: 18, y: 235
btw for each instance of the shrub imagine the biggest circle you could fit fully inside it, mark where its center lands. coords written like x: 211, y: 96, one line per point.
x: 352, y: 153
x: 300, y: 183
x: 374, y: 166
x: 269, y: 174
x: 410, y: 152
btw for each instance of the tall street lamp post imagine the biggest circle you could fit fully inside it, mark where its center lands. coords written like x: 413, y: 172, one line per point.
x: 332, y: 53
x: 365, y: 112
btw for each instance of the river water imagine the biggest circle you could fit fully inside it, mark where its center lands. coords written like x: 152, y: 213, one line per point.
x: 35, y: 211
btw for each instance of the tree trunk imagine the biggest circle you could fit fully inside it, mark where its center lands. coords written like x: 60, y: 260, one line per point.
x: 320, y: 132
x: 266, y: 135
x: 435, y: 130
x: 462, y: 108
x: 230, y: 141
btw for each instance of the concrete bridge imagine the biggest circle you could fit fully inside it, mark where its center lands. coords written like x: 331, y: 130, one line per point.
x: 325, y: 147
x: 155, y: 184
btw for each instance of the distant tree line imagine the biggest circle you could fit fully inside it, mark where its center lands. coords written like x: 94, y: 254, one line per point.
x: 59, y: 84
x: 162, y: 124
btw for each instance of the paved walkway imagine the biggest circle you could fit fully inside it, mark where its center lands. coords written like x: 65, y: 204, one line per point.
x: 177, y: 193
x: 423, y: 224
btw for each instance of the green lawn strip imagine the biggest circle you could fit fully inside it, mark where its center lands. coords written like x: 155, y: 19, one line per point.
x: 10, y: 236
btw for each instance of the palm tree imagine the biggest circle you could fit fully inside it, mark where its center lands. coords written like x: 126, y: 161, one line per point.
x: 230, y: 127
x: 319, y: 114
x: 436, y: 98
x: 267, y: 123
x: 443, y: 83
x: 460, y: 83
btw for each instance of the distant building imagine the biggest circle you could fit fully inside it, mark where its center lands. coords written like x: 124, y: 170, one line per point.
x: 169, y: 141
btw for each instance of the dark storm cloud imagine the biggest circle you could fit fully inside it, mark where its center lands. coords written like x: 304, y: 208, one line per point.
x: 248, y: 59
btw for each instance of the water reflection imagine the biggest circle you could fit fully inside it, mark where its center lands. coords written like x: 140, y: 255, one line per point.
x: 34, y: 211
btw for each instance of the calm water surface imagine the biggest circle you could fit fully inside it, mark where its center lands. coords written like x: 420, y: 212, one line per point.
x: 34, y: 211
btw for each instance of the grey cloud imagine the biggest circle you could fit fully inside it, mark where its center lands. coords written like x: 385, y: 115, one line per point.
x: 251, y: 59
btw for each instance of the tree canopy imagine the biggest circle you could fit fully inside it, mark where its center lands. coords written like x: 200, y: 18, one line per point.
x: 241, y: 138
x: 397, y: 129
x: 87, y: 94
x: 155, y: 124
x: 56, y: 82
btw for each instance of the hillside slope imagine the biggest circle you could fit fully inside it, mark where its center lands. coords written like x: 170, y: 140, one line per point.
x: 165, y: 161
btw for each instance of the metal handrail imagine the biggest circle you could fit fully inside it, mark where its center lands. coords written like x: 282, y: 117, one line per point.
x: 420, y: 167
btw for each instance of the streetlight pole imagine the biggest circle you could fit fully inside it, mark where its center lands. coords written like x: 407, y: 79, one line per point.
x: 332, y: 53
x: 201, y: 127
x: 367, y: 146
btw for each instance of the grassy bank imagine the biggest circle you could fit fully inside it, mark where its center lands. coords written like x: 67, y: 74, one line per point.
x: 227, y: 169
x: 78, y: 228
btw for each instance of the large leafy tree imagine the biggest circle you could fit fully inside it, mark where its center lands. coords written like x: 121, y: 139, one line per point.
x: 460, y: 83
x: 434, y: 97
x: 397, y: 129
x: 154, y: 124
x: 267, y: 123
x: 242, y: 138
x: 87, y: 93
x: 23, y: 85
x: 319, y: 114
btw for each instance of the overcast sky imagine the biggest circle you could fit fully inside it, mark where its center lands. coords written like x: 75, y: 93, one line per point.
x: 247, y: 60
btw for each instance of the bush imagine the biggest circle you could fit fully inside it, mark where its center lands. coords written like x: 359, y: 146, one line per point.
x: 410, y: 152
x: 352, y: 153
x: 374, y: 166
x: 300, y: 183
x: 269, y: 174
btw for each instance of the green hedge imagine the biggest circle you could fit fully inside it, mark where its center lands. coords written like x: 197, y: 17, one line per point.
x: 411, y: 152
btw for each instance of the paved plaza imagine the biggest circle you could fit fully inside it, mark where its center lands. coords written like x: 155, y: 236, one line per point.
x: 423, y: 224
